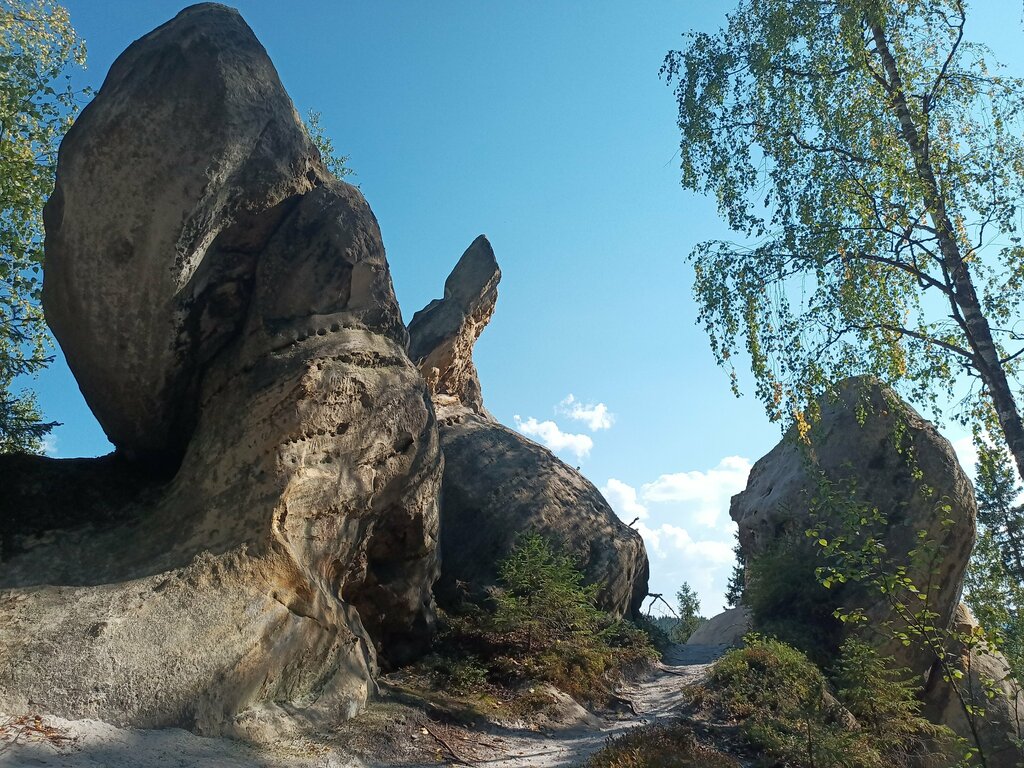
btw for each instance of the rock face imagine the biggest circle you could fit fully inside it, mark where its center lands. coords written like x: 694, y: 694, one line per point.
x: 860, y: 447
x: 442, y: 334
x: 983, y: 670
x: 727, y: 628
x: 498, y: 484
x: 147, y: 271
x: 228, y: 310
x: 871, y: 447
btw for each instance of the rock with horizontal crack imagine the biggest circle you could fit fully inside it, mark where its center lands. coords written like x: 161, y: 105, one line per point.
x: 497, y: 483
x: 267, y: 532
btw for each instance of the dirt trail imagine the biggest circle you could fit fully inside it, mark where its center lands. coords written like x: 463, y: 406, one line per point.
x: 655, y: 698
x: 94, y: 744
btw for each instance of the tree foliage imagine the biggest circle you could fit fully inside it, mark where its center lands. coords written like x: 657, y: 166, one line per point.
x: 335, y: 163
x: 871, y: 159
x: 994, y: 583
x: 38, y: 49
x: 688, y: 605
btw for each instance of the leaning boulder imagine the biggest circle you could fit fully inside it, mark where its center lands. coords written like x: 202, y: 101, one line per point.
x: 228, y: 305
x: 168, y: 185
x: 871, y: 472
x: 868, y: 451
x: 498, y: 484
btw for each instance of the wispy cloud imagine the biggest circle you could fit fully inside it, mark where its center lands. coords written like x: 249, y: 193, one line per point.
x: 683, y: 524
x: 595, y: 416
x: 551, y: 436
x: 622, y: 498
x: 50, y: 445
x: 707, y: 494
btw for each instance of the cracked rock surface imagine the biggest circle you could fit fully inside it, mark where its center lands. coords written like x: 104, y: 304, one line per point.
x: 266, y: 534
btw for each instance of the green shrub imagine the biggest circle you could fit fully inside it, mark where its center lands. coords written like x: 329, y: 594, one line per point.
x: 788, y: 602
x: 659, y: 746
x: 787, y: 710
x: 544, y: 627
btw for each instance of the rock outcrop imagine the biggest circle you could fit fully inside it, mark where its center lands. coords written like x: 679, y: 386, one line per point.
x: 869, y: 451
x: 498, y: 484
x: 727, y: 628
x: 984, y: 671
x: 442, y: 334
x: 227, y: 307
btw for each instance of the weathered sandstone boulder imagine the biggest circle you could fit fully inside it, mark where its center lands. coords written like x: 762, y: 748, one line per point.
x: 442, y: 334
x: 498, y: 484
x: 870, y: 447
x: 168, y: 185
x: 727, y: 628
x: 225, y: 301
x: 1000, y: 718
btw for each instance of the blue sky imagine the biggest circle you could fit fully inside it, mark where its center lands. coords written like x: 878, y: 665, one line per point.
x: 544, y: 125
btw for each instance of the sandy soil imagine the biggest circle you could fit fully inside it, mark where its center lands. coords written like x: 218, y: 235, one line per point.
x: 57, y: 743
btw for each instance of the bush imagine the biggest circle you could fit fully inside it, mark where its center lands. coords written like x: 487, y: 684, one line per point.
x: 786, y: 707
x: 659, y: 746
x: 788, y: 602
x: 544, y: 627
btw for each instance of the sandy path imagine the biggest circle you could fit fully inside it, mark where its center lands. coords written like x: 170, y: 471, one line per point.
x: 94, y: 744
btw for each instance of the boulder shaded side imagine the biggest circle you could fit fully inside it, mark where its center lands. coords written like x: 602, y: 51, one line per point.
x: 498, y: 484
x: 254, y: 583
x: 168, y: 183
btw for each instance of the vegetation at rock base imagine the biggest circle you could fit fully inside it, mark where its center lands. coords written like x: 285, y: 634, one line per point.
x: 38, y: 50
x: 787, y: 601
x: 543, y: 627
x: 863, y: 714
x: 659, y: 746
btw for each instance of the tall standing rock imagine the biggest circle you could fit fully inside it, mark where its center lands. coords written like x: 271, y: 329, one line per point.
x: 871, y: 448
x: 866, y: 451
x: 168, y: 185
x: 228, y: 309
x: 498, y: 484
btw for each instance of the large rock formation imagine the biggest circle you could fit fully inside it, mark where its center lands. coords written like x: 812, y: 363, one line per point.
x: 442, y: 334
x: 869, y: 451
x: 985, y: 684
x: 227, y: 307
x: 498, y: 484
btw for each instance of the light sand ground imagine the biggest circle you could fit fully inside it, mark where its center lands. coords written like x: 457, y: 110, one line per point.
x: 94, y: 744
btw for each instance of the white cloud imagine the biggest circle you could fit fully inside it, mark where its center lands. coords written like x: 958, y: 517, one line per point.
x: 688, y: 538
x: 622, y: 498
x: 50, y: 445
x: 548, y: 433
x: 706, y: 493
x: 596, y: 417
